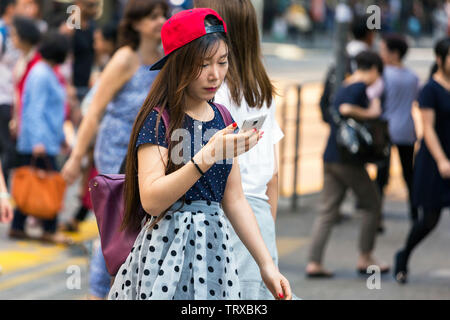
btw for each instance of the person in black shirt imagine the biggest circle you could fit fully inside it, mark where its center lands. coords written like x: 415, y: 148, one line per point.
x: 431, y: 183
x: 83, y: 45
x: 350, y: 101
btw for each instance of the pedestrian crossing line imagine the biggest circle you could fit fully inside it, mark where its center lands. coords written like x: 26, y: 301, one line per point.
x: 29, y: 254
x: 31, y: 276
x: 287, y: 245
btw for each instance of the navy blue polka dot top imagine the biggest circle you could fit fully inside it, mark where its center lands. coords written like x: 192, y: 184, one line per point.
x: 211, y: 186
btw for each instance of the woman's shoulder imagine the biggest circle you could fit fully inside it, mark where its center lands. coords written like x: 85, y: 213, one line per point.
x: 431, y: 87
x: 124, y: 59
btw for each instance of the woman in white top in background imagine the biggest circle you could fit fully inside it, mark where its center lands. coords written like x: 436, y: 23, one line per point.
x: 249, y: 96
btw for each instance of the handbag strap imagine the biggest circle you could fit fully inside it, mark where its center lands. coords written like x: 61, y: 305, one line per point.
x: 226, y: 115
x: 46, y: 160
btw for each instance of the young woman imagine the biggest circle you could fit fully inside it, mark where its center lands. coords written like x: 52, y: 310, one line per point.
x: 431, y: 183
x: 258, y: 166
x: 183, y: 251
x: 122, y: 89
x: 105, y: 44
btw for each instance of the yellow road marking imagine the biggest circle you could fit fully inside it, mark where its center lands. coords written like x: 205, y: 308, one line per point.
x: 14, y: 282
x: 287, y: 245
x: 88, y: 231
x: 27, y: 257
x: 28, y: 254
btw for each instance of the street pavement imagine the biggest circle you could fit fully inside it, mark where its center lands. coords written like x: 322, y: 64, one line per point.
x: 32, y: 270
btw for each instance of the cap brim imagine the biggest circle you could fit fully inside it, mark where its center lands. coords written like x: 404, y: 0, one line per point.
x: 158, y: 65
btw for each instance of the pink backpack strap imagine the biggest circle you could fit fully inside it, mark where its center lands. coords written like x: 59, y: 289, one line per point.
x: 166, y: 120
x: 226, y: 115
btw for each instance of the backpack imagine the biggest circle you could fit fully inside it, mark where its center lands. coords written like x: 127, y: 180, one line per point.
x: 107, y: 195
x: 327, y: 98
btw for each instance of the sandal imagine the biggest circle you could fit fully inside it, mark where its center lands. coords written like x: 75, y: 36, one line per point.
x: 18, y: 235
x: 383, y: 270
x: 320, y: 274
x: 400, y: 270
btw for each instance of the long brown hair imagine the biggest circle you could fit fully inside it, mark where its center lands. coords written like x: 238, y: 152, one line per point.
x: 134, y: 11
x: 168, y: 92
x: 254, y: 83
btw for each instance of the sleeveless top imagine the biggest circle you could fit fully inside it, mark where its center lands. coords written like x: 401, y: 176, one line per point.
x: 115, y: 129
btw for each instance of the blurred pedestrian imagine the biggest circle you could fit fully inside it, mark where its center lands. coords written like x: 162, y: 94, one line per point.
x: 25, y: 37
x: 259, y: 166
x: 431, y: 190
x: 105, y: 44
x: 351, y: 101
x: 401, y: 89
x: 122, y: 89
x: 362, y: 39
x: 32, y: 9
x: 187, y: 232
x: 41, y: 133
x: 83, y: 44
x: 6, y: 211
x: 8, y: 59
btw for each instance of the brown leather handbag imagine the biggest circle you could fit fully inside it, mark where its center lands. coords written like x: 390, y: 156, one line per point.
x: 37, y: 192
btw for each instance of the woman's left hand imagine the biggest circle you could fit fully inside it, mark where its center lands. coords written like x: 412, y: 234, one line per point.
x: 277, y: 284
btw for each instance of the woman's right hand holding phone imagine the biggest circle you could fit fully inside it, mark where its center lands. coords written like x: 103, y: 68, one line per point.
x: 225, y: 144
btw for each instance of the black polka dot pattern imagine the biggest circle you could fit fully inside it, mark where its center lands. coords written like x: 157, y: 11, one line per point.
x: 209, y: 187
x: 187, y: 257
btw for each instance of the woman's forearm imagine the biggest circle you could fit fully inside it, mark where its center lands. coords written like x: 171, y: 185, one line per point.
x: 354, y: 111
x: 161, y: 193
x: 88, y: 129
x: 434, y: 145
x: 245, y: 224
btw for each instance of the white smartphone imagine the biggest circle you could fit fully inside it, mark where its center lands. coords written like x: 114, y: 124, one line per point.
x: 253, y: 123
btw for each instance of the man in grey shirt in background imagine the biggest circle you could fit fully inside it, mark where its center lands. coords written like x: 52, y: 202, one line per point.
x: 401, y: 87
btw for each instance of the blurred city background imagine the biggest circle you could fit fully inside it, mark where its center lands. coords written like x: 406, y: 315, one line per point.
x: 299, y: 41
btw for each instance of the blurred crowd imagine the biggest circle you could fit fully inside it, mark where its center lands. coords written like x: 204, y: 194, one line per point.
x: 286, y: 20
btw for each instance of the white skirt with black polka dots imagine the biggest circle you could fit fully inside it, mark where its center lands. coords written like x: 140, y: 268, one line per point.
x: 186, y: 256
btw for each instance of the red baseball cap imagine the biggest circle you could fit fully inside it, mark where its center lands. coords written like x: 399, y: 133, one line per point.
x: 185, y: 27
